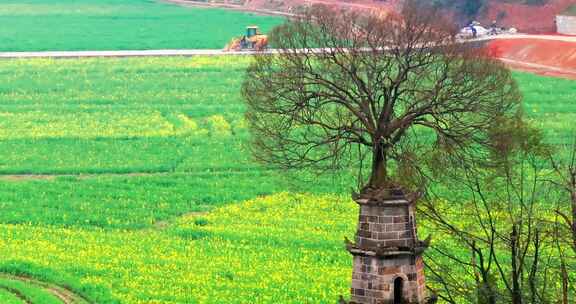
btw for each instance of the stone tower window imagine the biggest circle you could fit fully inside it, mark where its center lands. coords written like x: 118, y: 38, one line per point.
x: 398, y: 290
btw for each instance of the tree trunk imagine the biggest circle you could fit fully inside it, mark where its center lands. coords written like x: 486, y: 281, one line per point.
x: 573, y: 199
x: 485, y: 291
x: 534, y: 269
x: 379, y: 174
x: 516, y: 292
x: 565, y: 281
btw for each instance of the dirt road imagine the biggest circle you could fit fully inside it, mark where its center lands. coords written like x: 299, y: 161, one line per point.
x: 192, y: 52
x: 521, y: 63
x: 133, y: 53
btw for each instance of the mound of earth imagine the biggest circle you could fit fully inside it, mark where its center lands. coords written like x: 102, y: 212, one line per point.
x: 553, y: 56
x: 526, y: 18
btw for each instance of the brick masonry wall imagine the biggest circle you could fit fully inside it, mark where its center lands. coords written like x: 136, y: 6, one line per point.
x: 373, y: 279
x: 566, y: 25
x: 390, y: 226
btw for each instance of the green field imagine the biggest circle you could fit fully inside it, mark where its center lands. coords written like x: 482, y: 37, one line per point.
x: 8, y: 298
x: 76, y: 122
x: 41, y: 25
x: 129, y: 181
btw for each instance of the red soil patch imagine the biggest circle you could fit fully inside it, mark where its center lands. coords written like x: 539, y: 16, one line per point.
x: 526, y: 18
x: 543, y: 56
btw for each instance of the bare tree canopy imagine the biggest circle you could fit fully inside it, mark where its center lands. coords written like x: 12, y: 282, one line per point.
x: 398, y: 90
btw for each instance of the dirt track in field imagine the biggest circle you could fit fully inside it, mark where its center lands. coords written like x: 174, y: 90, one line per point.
x: 27, y: 177
x: 83, y: 176
x: 65, y: 295
x: 116, y: 54
x: 17, y: 294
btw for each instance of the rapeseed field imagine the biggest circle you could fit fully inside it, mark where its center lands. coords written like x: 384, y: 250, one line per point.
x: 130, y: 181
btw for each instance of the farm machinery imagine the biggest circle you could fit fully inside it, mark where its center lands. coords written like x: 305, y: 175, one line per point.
x: 253, y: 40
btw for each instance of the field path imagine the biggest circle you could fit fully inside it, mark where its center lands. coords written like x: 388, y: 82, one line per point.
x: 82, y: 176
x: 65, y: 295
x: 17, y: 294
x: 130, y: 53
x: 513, y: 62
x: 538, y: 37
x: 213, y: 52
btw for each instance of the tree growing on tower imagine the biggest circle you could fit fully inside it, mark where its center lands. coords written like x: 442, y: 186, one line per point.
x: 392, y: 95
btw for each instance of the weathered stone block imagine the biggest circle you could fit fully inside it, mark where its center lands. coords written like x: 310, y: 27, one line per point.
x: 406, y: 234
x: 395, y: 227
x: 401, y: 219
x: 358, y: 284
x: 360, y: 300
x: 385, y: 287
x: 396, y: 243
x: 375, y: 294
x: 387, y: 235
x: 388, y: 270
x: 372, y: 219
x: 395, y: 211
x: 378, y: 227
x: 386, y: 219
x: 364, y: 233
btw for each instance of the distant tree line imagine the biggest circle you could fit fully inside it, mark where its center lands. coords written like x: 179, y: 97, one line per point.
x: 463, y: 8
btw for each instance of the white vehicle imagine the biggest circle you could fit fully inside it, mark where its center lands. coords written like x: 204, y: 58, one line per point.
x: 467, y: 33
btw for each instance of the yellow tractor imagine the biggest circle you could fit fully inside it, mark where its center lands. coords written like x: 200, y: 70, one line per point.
x: 252, y: 41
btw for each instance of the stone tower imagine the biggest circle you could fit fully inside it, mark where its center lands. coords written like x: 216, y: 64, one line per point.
x: 388, y: 265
